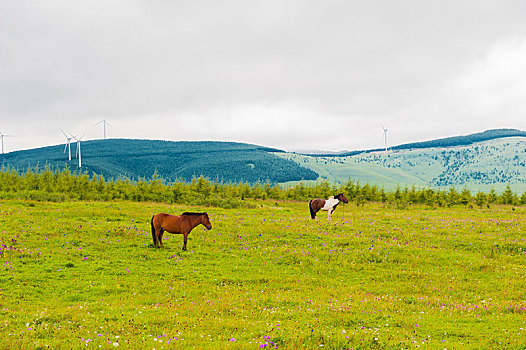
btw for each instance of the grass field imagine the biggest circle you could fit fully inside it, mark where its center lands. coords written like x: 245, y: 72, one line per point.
x: 85, y: 275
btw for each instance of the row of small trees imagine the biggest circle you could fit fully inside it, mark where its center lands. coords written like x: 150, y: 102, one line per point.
x: 64, y: 185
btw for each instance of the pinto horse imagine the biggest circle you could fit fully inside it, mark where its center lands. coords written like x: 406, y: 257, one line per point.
x: 177, y: 224
x: 329, y: 205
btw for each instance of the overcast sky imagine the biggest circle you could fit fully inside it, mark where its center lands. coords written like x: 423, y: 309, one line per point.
x: 292, y: 74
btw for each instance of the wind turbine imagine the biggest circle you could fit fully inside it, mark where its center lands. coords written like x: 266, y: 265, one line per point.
x: 104, y: 123
x: 385, y: 136
x: 2, y: 137
x: 79, y: 155
x: 68, y: 143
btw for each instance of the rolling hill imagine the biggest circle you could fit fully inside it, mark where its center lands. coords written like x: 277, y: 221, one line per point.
x: 134, y: 159
x: 476, y: 165
x: 482, y: 161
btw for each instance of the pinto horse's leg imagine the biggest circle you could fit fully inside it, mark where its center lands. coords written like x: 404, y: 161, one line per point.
x: 329, y: 214
x: 312, y: 211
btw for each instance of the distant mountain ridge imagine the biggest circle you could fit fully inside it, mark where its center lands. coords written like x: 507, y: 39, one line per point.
x: 464, y: 140
x: 454, y: 141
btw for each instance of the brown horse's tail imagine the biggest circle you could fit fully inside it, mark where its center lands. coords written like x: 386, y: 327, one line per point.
x: 153, y: 233
x: 312, y: 213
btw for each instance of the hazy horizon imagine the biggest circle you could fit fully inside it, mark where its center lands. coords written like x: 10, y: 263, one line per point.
x: 297, y: 150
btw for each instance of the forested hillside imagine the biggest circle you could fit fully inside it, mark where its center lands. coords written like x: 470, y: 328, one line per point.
x: 134, y: 159
x: 464, y: 140
x: 455, y: 141
x: 495, y: 163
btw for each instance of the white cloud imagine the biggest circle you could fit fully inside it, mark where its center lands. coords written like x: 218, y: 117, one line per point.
x: 295, y: 74
x: 495, y: 87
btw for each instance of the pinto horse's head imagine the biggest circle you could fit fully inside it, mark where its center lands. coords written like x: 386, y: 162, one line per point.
x: 342, y: 198
x: 206, y: 221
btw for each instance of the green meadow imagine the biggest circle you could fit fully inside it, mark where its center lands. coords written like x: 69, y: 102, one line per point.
x: 85, y: 275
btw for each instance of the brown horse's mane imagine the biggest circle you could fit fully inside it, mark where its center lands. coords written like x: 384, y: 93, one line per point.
x: 192, y: 214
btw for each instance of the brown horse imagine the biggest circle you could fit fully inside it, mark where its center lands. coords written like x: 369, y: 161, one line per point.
x: 329, y: 205
x: 177, y: 224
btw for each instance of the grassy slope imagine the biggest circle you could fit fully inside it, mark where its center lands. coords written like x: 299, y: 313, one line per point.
x: 85, y: 273
x: 503, y: 160
x: 351, y: 168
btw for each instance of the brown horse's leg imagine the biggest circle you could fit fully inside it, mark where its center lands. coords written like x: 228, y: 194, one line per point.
x: 185, y: 235
x: 154, y: 232
x: 160, y: 238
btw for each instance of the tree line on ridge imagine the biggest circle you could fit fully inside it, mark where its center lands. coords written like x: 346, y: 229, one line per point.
x: 64, y: 185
